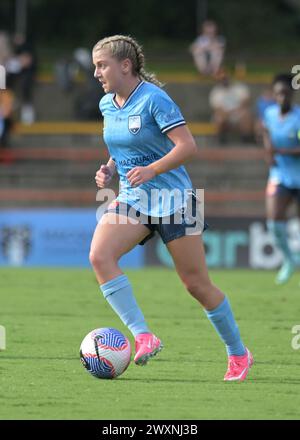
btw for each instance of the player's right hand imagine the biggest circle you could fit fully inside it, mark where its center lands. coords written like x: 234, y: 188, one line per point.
x: 103, y: 176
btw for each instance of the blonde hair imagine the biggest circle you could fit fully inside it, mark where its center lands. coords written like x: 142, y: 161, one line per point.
x: 122, y: 47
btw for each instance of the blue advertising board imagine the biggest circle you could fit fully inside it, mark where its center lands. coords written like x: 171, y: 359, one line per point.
x: 52, y: 237
x: 234, y: 243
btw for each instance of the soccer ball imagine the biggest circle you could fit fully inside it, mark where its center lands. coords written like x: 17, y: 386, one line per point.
x: 105, y: 353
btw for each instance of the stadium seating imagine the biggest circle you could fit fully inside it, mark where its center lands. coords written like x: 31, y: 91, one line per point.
x: 54, y: 165
x: 53, y: 161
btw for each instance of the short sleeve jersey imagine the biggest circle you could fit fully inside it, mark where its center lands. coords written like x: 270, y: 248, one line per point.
x: 284, y: 133
x: 135, y: 135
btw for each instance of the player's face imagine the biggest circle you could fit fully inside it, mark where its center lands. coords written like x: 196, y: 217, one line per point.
x: 108, y: 71
x: 282, y: 94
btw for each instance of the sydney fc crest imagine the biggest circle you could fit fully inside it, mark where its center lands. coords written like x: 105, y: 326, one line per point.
x: 134, y: 124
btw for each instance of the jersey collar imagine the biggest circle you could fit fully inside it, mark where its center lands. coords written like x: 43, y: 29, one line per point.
x: 129, y: 97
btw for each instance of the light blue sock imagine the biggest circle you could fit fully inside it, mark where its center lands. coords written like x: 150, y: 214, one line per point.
x: 224, y: 322
x: 278, y: 229
x: 118, y: 293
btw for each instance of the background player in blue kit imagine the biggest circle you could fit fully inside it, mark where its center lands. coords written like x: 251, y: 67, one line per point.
x: 282, y: 144
x: 149, y: 142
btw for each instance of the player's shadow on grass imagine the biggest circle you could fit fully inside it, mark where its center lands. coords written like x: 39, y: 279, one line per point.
x: 139, y: 379
x: 274, y: 380
x: 186, y: 358
x: 41, y: 358
x: 261, y: 380
x: 285, y: 364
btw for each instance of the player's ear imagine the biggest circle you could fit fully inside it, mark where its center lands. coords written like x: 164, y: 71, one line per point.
x: 126, y: 66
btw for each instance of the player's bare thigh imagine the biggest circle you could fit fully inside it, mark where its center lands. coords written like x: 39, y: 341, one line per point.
x: 189, y: 258
x: 114, y: 236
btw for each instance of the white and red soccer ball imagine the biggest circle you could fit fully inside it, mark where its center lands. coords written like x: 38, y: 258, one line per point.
x: 105, y: 353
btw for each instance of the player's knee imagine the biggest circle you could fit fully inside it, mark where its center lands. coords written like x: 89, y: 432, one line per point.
x: 198, y: 287
x: 94, y: 258
x: 99, y: 259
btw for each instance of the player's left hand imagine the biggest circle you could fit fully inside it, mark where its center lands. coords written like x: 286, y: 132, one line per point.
x: 139, y: 175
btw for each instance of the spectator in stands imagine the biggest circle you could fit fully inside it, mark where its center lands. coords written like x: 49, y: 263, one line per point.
x: 22, y: 69
x: 6, y: 95
x: 6, y: 113
x: 265, y: 100
x: 208, y: 49
x: 6, y: 116
x: 5, y: 48
x: 86, y: 103
x: 230, y: 102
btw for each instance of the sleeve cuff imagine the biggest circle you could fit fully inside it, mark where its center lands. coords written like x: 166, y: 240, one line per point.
x: 173, y: 125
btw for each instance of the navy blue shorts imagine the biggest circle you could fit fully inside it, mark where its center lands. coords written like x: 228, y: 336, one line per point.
x: 292, y: 192
x: 275, y: 188
x: 169, y: 228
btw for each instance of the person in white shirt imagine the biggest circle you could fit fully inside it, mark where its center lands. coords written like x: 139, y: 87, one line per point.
x: 208, y: 49
x: 230, y: 103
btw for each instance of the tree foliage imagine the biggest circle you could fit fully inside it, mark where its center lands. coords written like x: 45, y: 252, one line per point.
x: 82, y: 22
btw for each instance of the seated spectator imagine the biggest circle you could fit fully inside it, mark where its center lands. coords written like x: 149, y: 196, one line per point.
x: 264, y: 101
x: 6, y: 95
x: 208, y: 49
x: 5, y: 48
x: 6, y: 119
x: 86, y: 103
x: 230, y: 102
x: 21, y: 68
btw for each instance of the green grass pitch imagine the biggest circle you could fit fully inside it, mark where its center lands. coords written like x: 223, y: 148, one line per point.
x: 47, y: 313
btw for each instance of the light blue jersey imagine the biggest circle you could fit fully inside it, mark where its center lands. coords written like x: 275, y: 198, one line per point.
x: 284, y: 133
x: 135, y: 135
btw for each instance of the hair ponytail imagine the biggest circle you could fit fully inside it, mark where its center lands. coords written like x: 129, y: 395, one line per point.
x: 122, y: 47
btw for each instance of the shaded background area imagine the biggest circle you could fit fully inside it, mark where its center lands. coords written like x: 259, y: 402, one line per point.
x: 55, y: 144
x: 268, y: 27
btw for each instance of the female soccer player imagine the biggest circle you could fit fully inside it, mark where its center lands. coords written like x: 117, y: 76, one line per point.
x: 149, y: 142
x: 282, y: 145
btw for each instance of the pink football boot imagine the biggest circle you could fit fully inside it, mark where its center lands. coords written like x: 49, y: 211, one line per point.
x: 238, y: 367
x: 147, y: 345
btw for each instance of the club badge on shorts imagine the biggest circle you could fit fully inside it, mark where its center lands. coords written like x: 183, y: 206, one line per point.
x: 134, y: 124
